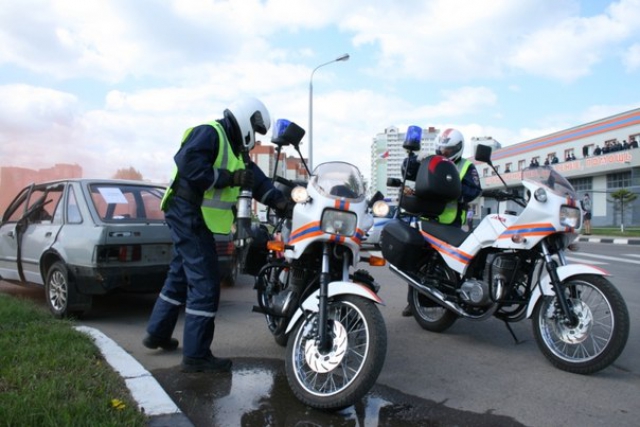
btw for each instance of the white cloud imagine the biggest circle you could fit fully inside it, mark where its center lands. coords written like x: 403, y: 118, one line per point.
x: 156, y: 68
x: 25, y: 107
x: 631, y: 58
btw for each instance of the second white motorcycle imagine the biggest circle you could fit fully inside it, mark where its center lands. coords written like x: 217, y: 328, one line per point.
x: 511, y: 266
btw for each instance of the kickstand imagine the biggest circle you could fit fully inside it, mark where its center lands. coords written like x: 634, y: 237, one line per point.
x: 513, y: 334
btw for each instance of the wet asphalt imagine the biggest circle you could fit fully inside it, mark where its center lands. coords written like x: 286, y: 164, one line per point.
x: 256, y: 394
x: 474, y: 366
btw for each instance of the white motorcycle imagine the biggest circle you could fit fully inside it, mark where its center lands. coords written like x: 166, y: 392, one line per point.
x: 314, y: 302
x: 511, y: 266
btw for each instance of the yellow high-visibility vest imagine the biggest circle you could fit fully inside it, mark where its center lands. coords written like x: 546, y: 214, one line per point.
x: 217, y: 203
x: 451, y: 209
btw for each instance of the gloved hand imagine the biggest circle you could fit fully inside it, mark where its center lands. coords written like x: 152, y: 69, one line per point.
x: 284, y: 207
x: 242, y: 178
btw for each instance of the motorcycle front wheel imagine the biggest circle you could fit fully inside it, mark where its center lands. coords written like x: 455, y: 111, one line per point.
x: 339, y: 377
x: 597, y: 339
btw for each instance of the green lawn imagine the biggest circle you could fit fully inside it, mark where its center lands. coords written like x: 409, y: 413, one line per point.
x: 615, y: 231
x: 53, y: 375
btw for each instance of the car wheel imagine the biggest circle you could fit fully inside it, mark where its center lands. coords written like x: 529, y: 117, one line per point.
x: 61, y: 296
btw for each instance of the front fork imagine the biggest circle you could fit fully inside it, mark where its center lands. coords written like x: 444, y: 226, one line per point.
x: 324, y: 331
x: 558, y: 287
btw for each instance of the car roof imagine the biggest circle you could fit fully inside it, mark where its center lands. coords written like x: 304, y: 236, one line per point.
x: 101, y: 181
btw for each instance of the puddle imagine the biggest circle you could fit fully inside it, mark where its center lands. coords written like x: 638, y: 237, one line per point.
x: 256, y: 394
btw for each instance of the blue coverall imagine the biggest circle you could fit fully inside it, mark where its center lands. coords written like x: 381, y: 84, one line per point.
x: 193, y: 278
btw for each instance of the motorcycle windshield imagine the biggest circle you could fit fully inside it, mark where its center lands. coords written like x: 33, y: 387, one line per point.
x: 338, y: 180
x: 550, y: 179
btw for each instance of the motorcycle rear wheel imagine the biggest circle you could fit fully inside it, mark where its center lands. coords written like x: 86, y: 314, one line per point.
x: 338, y: 378
x: 601, y: 333
x: 430, y: 315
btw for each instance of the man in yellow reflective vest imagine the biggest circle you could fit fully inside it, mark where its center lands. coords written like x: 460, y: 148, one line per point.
x: 211, y: 166
x: 451, y: 145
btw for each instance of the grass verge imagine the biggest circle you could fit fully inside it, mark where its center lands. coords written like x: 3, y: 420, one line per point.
x: 615, y: 231
x: 53, y: 375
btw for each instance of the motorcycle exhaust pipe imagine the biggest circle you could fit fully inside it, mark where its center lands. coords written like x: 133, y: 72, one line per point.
x: 433, y: 294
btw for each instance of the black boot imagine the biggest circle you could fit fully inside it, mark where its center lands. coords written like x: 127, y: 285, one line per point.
x: 206, y: 364
x: 152, y: 342
x: 407, y: 311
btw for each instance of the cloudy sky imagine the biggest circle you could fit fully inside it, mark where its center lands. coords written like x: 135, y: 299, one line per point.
x: 110, y: 84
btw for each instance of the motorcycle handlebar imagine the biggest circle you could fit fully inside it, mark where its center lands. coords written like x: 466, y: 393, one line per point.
x: 284, y: 181
x: 501, y: 195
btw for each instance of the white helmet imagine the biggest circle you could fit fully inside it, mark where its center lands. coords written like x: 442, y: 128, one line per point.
x: 249, y: 115
x: 450, y: 144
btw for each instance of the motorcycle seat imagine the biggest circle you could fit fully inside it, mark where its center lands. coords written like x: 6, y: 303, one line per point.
x: 447, y: 233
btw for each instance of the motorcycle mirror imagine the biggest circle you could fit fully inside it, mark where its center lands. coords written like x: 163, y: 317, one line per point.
x: 287, y: 133
x: 483, y: 154
x: 394, y: 182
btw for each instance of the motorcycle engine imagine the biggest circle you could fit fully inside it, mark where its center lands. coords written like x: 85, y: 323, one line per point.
x: 499, y: 272
x: 475, y: 292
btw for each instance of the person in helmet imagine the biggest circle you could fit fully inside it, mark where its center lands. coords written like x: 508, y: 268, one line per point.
x: 211, y: 166
x: 451, y: 145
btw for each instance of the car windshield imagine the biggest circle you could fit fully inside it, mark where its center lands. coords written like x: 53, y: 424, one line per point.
x: 338, y: 179
x: 127, y: 202
x: 547, y: 177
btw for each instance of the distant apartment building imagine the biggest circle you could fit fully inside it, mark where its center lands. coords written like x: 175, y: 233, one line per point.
x: 387, y: 156
x: 13, y: 179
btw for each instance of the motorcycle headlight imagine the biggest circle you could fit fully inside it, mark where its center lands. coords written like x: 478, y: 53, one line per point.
x: 380, y: 208
x: 339, y: 222
x: 540, y: 195
x: 570, y: 216
x: 299, y: 194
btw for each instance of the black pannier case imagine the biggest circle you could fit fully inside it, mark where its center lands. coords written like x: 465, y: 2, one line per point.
x: 437, y: 183
x: 401, y: 244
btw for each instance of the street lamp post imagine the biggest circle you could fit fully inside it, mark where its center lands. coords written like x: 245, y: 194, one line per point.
x: 344, y: 57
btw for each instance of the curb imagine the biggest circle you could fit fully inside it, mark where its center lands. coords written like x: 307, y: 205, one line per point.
x: 145, y: 390
x: 615, y: 240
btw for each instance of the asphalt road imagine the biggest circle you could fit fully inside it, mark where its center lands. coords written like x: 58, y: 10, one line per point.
x: 474, y: 368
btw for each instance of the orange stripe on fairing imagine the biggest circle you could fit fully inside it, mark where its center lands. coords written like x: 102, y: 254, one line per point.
x: 309, y: 230
x: 543, y: 229
x: 342, y: 205
x: 446, y: 249
x: 336, y: 238
x: 305, y: 236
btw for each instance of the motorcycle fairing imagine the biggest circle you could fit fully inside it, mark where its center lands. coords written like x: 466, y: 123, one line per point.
x: 305, y: 232
x: 564, y: 272
x: 334, y: 288
x: 448, y: 252
x: 313, y: 230
x: 528, y: 230
x: 307, y: 229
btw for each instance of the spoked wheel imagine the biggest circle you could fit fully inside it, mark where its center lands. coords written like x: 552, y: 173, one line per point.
x: 600, y: 334
x: 340, y: 376
x: 429, y: 314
